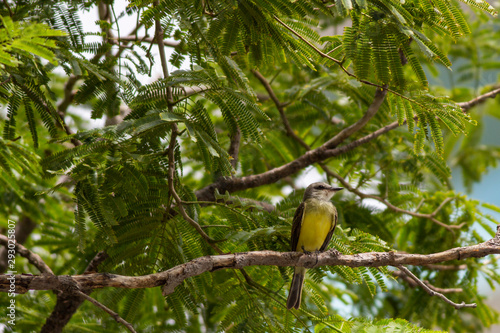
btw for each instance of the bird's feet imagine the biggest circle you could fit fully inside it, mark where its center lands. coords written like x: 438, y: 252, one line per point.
x: 310, y: 252
x: 334, y: 252
x: 305, y: 251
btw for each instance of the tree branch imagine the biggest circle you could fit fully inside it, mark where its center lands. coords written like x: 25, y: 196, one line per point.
x: 370, y: 112
x: 173, y: 141
x: 145, y: 39
x: 190, y: 93
x: 173, y: 277
x: 480, y: 99
x: 281, y: 109
x: 108, y: 310
x: 402, y: 275
x: 68, y: 303
x: 6, y: 3
x: 362, y: 195
x: 313, y: 156
x: 33, y: 258
x: 177, y: 199
x: 234, y: 148
x: 24, y: 227
x: 433, y: 292
x: 324, y: 55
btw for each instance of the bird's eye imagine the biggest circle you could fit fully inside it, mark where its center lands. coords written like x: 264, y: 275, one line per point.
x: 320, y: 187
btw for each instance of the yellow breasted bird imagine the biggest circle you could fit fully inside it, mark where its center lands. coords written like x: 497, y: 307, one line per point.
x: 313, y: 225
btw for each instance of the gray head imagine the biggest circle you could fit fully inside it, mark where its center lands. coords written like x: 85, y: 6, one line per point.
x: 320, y: 191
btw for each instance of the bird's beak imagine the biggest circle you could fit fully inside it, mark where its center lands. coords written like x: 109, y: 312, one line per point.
x: 336, y: 189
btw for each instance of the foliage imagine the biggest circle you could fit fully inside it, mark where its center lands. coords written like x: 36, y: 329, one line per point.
x: 106, y: 188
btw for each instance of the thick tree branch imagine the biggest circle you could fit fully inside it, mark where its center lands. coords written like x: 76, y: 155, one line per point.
x: 24, y: 228
x: 313, y: 156
x: 234, y: 148
x: 268, y: 177
x: 176, y: 275
x: 33, y: 258
x: 438, y: 267
x: 459, y: 267
x: 68, y: 302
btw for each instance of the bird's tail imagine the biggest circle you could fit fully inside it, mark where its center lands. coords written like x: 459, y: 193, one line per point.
x: 295, y: 294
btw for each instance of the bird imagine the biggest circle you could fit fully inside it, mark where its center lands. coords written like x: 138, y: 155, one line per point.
x: 312, y: 229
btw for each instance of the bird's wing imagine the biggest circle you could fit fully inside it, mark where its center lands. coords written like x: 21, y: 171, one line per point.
x: 297, y: 224
x: 330, y: 233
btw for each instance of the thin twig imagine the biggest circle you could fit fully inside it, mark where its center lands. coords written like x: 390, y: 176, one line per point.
x: 467, y: 105
x: 217, y: 226
x: 433, y: 292
x: 161, y: 48
x: 445, y: 201
x: 395, y: 208
x: 192, y: 93
x: 5, y: 2
x: 113, y: 314
x: 340, y: 63
x: 177, y: 199
x: 419, y: 205
x: 413, y: 284
x: 307, y: 42
x: 443, y: 290
x: 173, y: 141
x: 280, y: 107
x: 145, y: 39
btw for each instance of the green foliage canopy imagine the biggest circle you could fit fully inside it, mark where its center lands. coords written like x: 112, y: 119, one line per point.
x: 191, y: 163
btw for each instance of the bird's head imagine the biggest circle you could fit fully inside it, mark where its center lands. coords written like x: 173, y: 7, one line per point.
x: 321, y: 191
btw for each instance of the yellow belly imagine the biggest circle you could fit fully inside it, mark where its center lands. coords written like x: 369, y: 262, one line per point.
x: 315, y: 227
